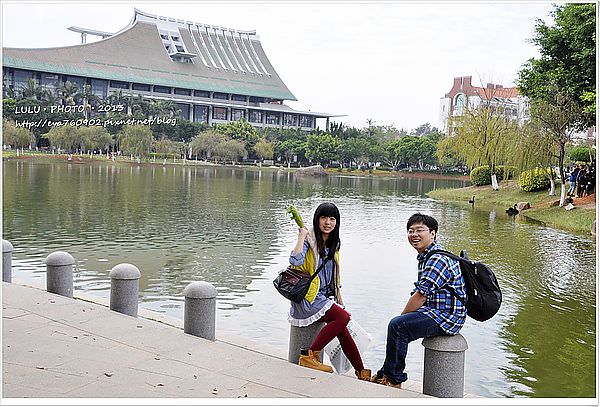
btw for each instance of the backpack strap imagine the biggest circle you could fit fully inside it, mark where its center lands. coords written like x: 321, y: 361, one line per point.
x: 454, y: 257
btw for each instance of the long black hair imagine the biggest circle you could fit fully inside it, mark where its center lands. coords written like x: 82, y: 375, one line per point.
x: 333, y: 241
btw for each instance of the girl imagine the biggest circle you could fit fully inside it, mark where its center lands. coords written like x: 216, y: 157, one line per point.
x: 317, y: 250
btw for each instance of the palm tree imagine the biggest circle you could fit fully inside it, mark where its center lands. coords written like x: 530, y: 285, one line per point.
x: 69, y: 93
x: 31, y: 90
x: 89, y: 99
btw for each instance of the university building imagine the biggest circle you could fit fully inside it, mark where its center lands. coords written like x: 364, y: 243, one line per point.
x: 213, y: 74
x: 505, y: 101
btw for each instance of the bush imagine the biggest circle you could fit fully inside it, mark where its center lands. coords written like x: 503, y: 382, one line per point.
x: 481, y: 175
x: 535, y: 179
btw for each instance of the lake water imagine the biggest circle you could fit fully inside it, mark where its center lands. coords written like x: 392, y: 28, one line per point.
x: 228, y: 226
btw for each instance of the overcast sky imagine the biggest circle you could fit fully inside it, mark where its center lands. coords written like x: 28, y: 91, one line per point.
x: 386, y: 61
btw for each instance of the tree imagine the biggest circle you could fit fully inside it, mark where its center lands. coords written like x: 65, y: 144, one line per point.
x: 67, y: 138
x: 239, y: 130
x: 165, y: 147
x: 289, y: 148
x: 16, y: 136
x: 136, y: 140
x: 567, y: 61
x: 322, y: 148
x: 581, y: 153
x: 205, y: 143
x: 264, y: 149
x: 355, y: 149
x: 558, y: 120
x: 482, y: 136
x: 96, y: 138
x: 230, y: 150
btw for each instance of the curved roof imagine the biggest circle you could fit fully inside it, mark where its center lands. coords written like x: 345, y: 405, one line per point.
x: 224, y: 60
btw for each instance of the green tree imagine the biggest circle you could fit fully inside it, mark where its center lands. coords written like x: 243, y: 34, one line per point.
x: 355, y: 149
x: 16, y: 136
x: 483, y: 136
x: 96, y: 138
x: 322, y: 148
x: 581, y: 153
x: 205, y: 143
x: 264, y: 149
x: 230, y: 150
x: 67, y: 138
x: 239, y: 130
x: 136, y: 140
x: 567, y: 61
x: 290, y: 148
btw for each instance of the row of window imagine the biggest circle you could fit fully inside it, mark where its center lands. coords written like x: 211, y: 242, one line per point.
x: 201, y: 114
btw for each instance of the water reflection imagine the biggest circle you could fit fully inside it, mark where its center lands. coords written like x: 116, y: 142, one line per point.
x: 227, y: 226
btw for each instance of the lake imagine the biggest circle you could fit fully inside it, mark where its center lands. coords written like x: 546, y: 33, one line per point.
x: 228, y: 226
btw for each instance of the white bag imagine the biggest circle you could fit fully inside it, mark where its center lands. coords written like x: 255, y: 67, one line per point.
x: 333, y: 349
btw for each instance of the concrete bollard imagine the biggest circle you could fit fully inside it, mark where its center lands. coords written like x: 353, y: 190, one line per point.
x: 7, y: 249
x: 302, y: 337
x: 124, y: 288
x: 59, y: 273
x: 444, y: 366
x: 200, y: 310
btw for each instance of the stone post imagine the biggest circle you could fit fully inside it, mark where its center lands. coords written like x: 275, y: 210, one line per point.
x: 7, y: 249
x: 302, y: 337
x: 200, y: 310
x: 59, y: 273
x: 124, y: 288
x: 444, y: 366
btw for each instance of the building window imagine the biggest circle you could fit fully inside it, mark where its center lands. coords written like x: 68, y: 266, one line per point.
x: 254, y: 116
x: 162, y: 89
x: 201, y: 114
x: 185, y: 110
x: 272, y: 118
x: 222, y: 96
x: 238, y: 98
x: 50, y: 81
x: 290, y: 119
x: 219, y: 113
x: 119, y: 85
x: 459, y: 103
x: 255, y: 99
x: 305, y: 121
x: 100, y: 88
x: 237, y: 114
x: 185, y: 92
x: 201, y: 93
x: 141, y: 86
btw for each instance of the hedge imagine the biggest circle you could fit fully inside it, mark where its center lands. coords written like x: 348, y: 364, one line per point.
x: 535, y: 179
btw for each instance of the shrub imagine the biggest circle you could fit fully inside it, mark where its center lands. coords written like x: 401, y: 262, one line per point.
x: 535, y: 179
x: 481, y: 175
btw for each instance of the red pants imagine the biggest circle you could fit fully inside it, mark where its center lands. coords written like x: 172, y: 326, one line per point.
x: 336, y: 319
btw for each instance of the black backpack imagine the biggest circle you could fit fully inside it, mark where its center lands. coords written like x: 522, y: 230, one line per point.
x: 483, y: 292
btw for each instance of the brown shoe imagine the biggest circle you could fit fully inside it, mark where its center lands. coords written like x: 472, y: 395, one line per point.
x: 385, y: 381
x: 313, y: 361
x: 364, y: 374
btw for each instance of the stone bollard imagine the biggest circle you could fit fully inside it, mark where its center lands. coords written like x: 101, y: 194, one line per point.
x: 200, y: 310
x: 444, y: 366
x: 302, y: 337
x: 7, y: 249
x: 124, y: 289
x: 59, y: 273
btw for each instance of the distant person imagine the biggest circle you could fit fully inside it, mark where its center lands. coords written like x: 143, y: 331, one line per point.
x: 431, y: 310
x: 581, y: 181
x: 573, y: 181
x: 317, y: 246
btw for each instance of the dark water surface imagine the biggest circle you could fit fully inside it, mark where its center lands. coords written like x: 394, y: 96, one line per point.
x: 228, y: 226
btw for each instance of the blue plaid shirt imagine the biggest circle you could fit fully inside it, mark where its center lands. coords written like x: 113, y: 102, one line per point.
x: 434, y: 276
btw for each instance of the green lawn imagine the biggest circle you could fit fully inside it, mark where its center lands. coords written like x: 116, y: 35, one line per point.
x: 578, y: 220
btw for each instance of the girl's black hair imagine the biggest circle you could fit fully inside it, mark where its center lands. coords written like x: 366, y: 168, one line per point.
x: 333, y: 241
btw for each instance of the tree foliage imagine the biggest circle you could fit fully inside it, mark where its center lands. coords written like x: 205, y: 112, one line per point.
x: 322, y: 148
x: 136, y: 140
x: 567, y: 61
x: 16, y: 136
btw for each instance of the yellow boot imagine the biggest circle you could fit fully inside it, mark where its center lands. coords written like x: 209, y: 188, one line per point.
x: 364, y: 374
x: 313, y: 361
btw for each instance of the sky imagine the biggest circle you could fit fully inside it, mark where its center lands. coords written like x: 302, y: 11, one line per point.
x: 385, y: 61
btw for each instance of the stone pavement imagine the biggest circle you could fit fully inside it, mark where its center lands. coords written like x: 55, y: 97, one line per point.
x: 54, y: 346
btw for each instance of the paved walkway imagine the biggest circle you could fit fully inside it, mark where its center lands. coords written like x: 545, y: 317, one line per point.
x: 53, y: 346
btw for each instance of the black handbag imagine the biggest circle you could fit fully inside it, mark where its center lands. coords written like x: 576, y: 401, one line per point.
x: 294, y: 284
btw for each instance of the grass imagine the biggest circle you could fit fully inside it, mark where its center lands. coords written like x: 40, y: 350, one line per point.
x: 578, y: 220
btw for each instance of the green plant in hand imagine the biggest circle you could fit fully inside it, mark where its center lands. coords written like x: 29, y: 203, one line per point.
x: 294, y: 215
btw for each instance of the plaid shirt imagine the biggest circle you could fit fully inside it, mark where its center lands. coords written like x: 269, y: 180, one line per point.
x: 433, y: 277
